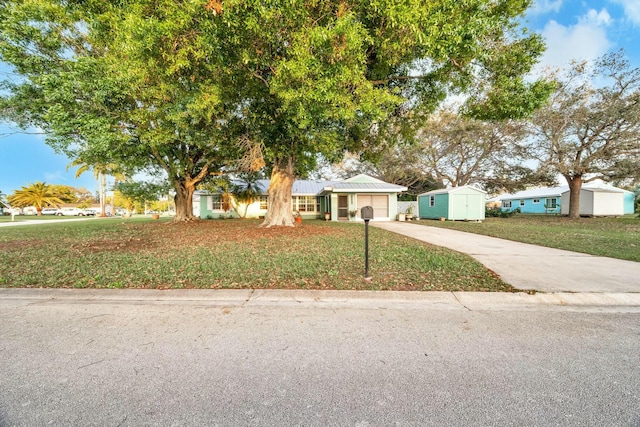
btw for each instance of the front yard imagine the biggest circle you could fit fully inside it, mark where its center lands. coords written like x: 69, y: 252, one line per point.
x: 610, y: 237
x: 142, y: 253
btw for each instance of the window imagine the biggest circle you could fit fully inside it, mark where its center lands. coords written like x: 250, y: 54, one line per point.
x: 506, y: 204
x: 214, y: 203
x: 536, y: 201
x: 264, y: 202
x: 432, y: 201
x: 521, y: 202
x: 551, y: 203
x: 306, y: 204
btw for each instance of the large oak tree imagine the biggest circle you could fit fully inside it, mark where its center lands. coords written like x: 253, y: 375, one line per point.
x: 327, y: 76
x: 590, y: 128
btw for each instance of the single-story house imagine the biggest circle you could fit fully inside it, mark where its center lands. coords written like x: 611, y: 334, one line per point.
x: 596, y: 201
x: 343, y: 200
x: 535, y: 201
x: 464, y: 203
x: 550, y: 200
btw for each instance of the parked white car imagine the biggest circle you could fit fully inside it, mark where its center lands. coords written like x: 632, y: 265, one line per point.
x: 49, y: 211
x: 74, y: 212
x: 13, y: 211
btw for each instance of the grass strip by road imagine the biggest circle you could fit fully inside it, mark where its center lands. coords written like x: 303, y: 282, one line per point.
x: 142, y: 253
x: 610, y: 237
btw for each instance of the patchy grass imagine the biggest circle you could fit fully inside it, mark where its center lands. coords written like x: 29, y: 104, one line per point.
x: 610, y: 237
x: 141, y: 253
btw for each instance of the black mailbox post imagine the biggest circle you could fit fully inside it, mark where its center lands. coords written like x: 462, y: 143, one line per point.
x: 366, y: 213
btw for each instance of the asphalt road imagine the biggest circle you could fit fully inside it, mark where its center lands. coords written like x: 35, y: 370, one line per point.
x: 348, y: 362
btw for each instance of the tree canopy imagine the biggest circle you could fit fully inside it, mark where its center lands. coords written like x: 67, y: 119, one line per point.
x: 175, y: 84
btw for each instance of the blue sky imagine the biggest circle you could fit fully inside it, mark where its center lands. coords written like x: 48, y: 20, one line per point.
x: 573, y: 29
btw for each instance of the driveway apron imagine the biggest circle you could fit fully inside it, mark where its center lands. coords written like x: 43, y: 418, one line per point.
x: 531, y: 267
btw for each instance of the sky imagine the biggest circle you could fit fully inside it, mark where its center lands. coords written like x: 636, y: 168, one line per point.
x: 572, y: 29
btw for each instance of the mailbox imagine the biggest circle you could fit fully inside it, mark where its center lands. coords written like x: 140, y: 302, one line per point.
x: 366, y: 213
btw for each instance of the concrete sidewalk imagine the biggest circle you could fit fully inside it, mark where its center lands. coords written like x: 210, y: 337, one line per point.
x: 41, y: 221
x: 330, y: 299
x: 531, y: 267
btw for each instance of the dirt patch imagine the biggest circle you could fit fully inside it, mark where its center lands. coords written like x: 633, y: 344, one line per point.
x: 162, y: 235
x: 211, y: 233
x: 99, y: 245
x: 20, y: 244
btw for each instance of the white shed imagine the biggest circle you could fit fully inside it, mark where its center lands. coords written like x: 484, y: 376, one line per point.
x: 597, y: 202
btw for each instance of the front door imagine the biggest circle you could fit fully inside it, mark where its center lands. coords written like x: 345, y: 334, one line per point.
x: 343, y: 207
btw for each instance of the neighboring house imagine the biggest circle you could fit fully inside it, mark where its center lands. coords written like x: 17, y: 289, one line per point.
x: 597, y: 202
x: 312, y: 198
x: 551, y: 200
x: 464, y: 203
x: 535, y: 201
x: 3, y: 207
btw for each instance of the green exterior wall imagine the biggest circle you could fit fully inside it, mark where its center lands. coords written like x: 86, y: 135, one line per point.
x: 439, y: 210
x: 463, y: 203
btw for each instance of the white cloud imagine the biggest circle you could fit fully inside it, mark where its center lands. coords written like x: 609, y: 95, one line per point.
x: 54, y: 176
x: 631, y: 9
x: 596, y: 18
x: 584, y: 41
x: 541, y: 7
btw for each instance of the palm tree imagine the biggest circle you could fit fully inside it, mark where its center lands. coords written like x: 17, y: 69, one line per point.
x: 38, y: 194
x: 100, y: 172
x: 248, y: 191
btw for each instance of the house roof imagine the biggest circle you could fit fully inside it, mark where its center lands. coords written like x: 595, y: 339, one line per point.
x: 452, y: 190
x: 557, y: 191
x: 368, y: 187
x: 303, y: 187
x: 309, y: 187
x: 536, y: 193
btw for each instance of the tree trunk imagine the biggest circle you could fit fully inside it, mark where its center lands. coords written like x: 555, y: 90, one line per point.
x: 279, y: 212
x: 184, y: 200
x: 103, y: 194
x: 575, y: 185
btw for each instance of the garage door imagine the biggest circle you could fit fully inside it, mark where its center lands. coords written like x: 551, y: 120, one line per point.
x: 379, y: 202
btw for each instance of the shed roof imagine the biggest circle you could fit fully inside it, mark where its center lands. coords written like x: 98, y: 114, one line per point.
x: 452, y: 190
x: 601, y: 190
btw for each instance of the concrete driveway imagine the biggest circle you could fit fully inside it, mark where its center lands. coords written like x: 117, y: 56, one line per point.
x: 531, y: 267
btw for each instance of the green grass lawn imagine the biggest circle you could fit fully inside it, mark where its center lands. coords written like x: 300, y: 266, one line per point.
x: 610, y: 237
x: 142, y: 253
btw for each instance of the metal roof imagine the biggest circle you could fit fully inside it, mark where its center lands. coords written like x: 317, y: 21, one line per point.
x: 451, y: 190
x: 368, y: 187
x: 309, y: 187
x: 536, y: 193
x: 557, y: 191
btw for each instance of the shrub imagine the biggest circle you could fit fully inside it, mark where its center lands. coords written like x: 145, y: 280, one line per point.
x: 499, y: 213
